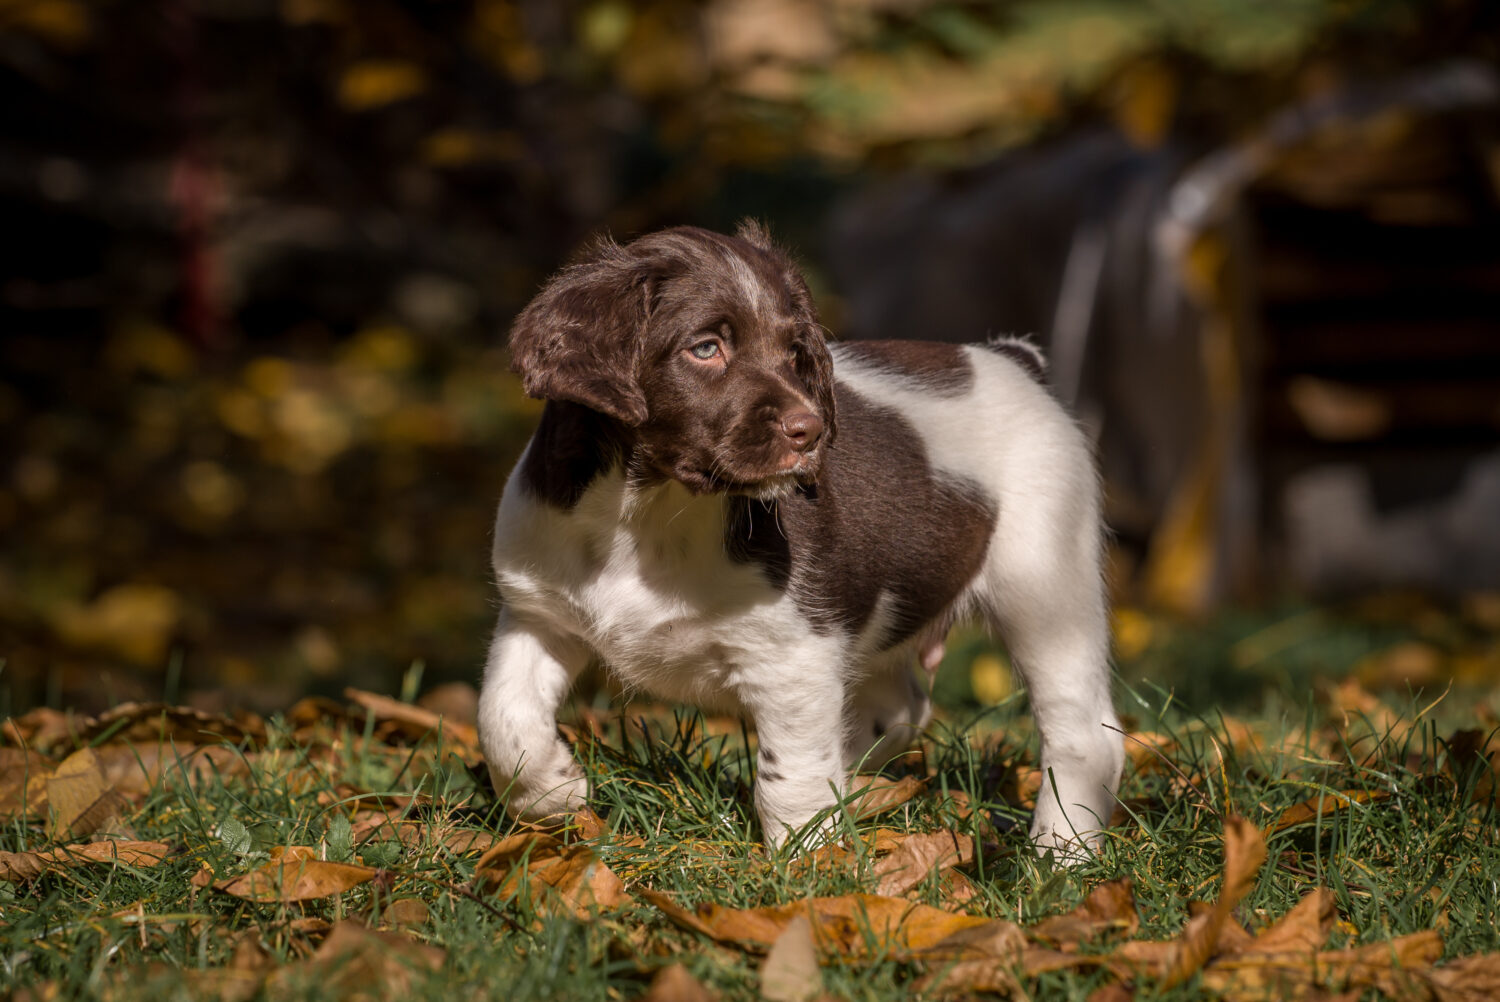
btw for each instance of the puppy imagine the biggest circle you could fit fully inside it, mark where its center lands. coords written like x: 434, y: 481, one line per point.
x: 725, y: 511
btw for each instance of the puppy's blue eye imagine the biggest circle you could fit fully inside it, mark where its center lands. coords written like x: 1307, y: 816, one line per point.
x: 705, y: 350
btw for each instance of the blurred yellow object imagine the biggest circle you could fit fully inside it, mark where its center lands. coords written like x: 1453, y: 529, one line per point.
x: 133, y: 620
x: 990, y: 678
x: 387, y: 348
x: 374, y: 83
x: 146, y: 347
x: 1133, y: 632
x: 64, y: 23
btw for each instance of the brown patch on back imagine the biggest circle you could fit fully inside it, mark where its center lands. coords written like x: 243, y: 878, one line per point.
x: 879, y: 520
x: 940, y: 368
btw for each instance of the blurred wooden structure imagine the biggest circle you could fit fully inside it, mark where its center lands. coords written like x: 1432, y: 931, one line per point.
x: 1288, y: 347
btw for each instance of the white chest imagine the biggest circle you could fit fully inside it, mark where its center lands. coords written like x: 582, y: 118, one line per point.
x: 645, y: 582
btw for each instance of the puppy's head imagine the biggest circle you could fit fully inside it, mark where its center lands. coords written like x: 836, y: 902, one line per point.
x: 704, y: 347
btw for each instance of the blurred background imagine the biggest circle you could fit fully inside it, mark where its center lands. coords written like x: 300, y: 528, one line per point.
x: 259, y: 257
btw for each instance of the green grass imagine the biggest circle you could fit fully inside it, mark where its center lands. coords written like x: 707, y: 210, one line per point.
x: 676, y: 802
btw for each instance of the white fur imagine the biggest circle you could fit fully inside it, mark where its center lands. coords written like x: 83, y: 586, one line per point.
x: 638, y: 577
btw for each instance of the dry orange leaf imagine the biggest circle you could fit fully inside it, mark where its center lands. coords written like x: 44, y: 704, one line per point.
x: 296, y: 875
x: 1303, y: 929
x: 29, y: 865
x: 1110, y: 907
x: 357, y: 963
x: 1331, y: 803
x: 557, y: 878
x: 414, y: 721
x: 79, y: 797
x: 1467, y: 979
x: 868, y: 796
x: 850, y: 926
x: 159, y: 723
x: 23, y: 777
x: 1296, y: 974
x: 1175, y: 961
x: 915, y: 856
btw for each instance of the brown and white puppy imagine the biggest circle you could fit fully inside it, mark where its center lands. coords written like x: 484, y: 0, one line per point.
x: 724, y: 511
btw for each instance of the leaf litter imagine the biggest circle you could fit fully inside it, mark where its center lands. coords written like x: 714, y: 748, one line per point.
x: 922, y: 897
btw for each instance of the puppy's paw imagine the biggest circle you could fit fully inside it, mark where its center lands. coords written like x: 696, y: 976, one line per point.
x: 536, y: 799
x: 1066, y: 847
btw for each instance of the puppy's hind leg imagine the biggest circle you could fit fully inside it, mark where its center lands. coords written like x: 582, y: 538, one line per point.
x: 1047, y: 601
x: 525, y: 679
x: 886, y: 714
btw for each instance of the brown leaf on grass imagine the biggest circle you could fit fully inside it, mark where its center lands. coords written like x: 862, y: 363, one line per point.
x: 407, y: 913
x: 30, y: 865
x: 1304, y: 929
x: 41, y: 729
x: 674, y: 984
x: 1310, y: 810
x: 556, y: 878
x: 869, y: 795
x: 415, y: 722
x: 1389, y: 966
x: 1233, y: 936
x: 360, y: 964
x: 854, y: 925
x: 23, y: 777
x: 1467, y: 979
x: 158, y: 723
x: 916, y: 856
x: 790, y: 972
x: 1175, y: 961
x: 296, y: 874
x: 134, y: 769
x: 1110, y: 907
x: 79, y: 797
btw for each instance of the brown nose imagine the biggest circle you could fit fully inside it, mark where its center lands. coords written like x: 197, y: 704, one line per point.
x: 803, y: 429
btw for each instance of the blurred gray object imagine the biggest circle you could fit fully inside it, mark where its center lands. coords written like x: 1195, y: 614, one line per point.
x: 1287, y: 348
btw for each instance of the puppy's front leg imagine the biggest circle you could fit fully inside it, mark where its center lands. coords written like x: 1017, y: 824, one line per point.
x: 525, y: 679
x: 800, y: 730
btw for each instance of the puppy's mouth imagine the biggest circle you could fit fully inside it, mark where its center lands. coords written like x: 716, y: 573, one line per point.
x: 783, y: 479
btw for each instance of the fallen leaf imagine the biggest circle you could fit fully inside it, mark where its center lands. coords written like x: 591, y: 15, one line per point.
x: 23, y: 779
x: 296, y: 875
x: 916, y: 856
x: 41, y: 729
x: 134, y: 769
x: 158, y: 723
x: 79, y: 797
x: 850, y: 926
x: 1110, y: 907
x: 790, y: 972
x: 1303, y: 929
x: 29, y: 865
x: 414, y: 721
x: 359, y: 964
x: 1467, y: 979
x: 406, y: 912
x: 1324, y: 806
x: 555, y: 878
x: 673, y: 983
x: 872, y: 795
x: 1175, y: 961
x: 1294, y: 973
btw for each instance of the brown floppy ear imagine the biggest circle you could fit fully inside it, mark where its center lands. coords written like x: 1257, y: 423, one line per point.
x: 580, y: 338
